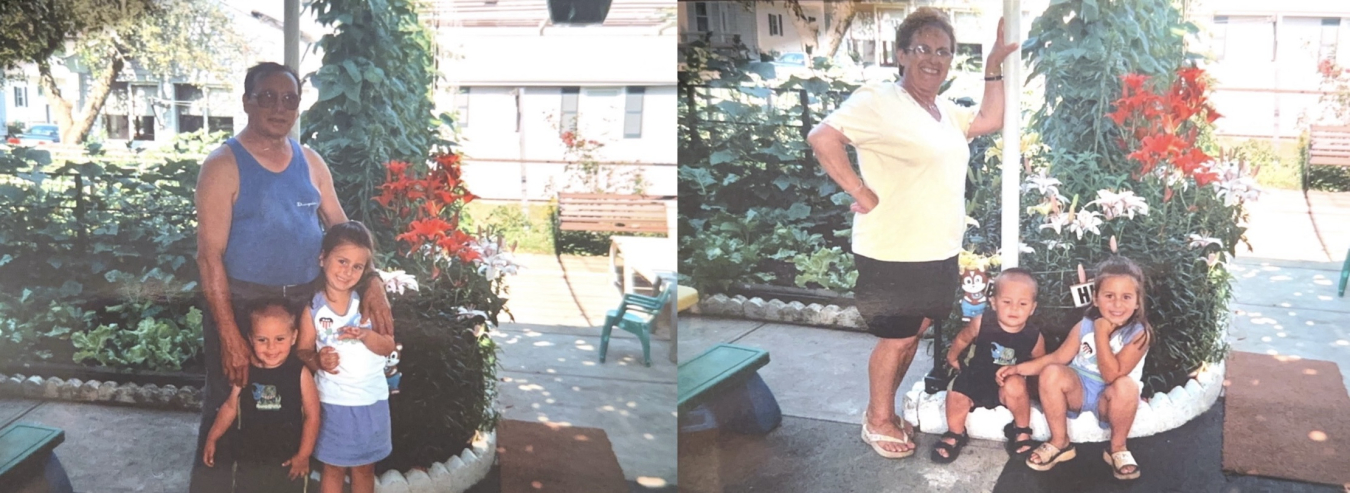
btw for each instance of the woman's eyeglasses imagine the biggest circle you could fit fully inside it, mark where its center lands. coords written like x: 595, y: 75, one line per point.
x: 268, y: 100
x: 924, y: 50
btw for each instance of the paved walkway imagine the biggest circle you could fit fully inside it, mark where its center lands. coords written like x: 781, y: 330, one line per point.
x: 1285, y: 302
x: 549, y: 373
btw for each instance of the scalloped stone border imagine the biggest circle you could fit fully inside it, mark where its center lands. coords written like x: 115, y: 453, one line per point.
x: 1162, y: 412
x: 187, y: 398
x: 455, y: 475
x: 776, y: 310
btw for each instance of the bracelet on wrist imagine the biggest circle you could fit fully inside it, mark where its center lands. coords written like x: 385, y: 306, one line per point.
x: 993, y: 78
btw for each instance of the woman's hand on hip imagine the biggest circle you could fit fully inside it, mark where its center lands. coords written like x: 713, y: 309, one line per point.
x: 864, y: 200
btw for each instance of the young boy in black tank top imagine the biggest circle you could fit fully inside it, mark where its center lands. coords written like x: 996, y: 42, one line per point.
x: 269, y: 426
x: 999, y: 341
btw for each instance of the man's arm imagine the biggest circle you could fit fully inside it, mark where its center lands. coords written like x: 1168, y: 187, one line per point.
x: 330, y: 210
x: 217, y: 187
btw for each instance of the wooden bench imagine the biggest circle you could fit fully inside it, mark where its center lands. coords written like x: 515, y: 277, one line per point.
x: 722, y: 371
x: 611, y: 212
x: 1330, y: 146
x: 25, y: 449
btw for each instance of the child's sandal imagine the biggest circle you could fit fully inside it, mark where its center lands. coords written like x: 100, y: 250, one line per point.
x: 1119, y: 461
x: 953, y: 450
x: 1052, y: 455
x: 1013, y: 444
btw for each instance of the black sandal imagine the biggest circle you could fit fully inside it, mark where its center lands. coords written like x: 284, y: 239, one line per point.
x: 1010, y: 431
x: 953, y: 450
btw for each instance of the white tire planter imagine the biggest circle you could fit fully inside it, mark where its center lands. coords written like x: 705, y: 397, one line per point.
x: 455, y: 475
x: 1162, y: 412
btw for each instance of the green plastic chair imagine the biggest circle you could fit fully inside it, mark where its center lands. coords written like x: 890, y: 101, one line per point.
x: 1345, y: 275
x: 637, y: 314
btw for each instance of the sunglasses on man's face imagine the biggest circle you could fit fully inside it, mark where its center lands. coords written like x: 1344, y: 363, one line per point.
x: 268, y: 100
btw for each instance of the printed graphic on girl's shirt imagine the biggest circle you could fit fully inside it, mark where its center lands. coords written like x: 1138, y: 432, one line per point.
x: 328, y: 334
x: 266, y: 397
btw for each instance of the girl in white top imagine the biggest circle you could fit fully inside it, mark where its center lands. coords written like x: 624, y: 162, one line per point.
x: 1080, y: 376
x: 348, y: 359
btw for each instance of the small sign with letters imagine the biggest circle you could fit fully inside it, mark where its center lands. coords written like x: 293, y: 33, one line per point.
x: 1082, y: 294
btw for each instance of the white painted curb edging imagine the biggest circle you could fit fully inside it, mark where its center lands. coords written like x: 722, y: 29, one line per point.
x: 1162, y: 412
x: 455, y: 475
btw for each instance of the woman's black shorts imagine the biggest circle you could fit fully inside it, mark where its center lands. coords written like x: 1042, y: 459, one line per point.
x: 894, y: 297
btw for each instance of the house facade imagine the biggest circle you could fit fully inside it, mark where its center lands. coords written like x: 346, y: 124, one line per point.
x: 517, y: 82
x: 768, y: 28
x: 1264, y: 58
x: 144, y: 110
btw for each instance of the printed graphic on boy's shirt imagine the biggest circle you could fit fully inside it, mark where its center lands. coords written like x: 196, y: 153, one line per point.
x: 1004, y: 356
x: 266, y: 397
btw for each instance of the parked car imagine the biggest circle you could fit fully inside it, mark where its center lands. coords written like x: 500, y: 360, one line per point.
x: 39, y: 134
x: 798, y: 64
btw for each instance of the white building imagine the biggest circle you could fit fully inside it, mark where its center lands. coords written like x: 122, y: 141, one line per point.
x: 768, y: 28
x: 1264, y: 61
x: 516, y: 82
x: 149, y: 110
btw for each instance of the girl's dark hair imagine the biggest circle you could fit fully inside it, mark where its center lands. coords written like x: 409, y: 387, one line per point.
x: 916, y: 21
x: 260, y: 71
x: 349, y: 233
x: 1121, y: 266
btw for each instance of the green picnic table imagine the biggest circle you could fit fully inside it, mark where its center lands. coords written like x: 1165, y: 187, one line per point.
x: 723, y: 367
x: 25, y: 450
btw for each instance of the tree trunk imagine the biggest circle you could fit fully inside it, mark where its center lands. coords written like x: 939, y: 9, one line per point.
x: 809, y: 31
x: 75, y: 131
x: 844, y: 12
x: 60, y: 106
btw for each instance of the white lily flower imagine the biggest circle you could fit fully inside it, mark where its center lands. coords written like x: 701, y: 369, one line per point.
x: 1057, y: 221
x: 1197, y: 241
x: 1025, y: 248
x: 1053, y: 244
x: 1043, y: 183
x: 1084, y: 221
x: 1233, y: 185
x: 971, y: 222
x: 397, y: 281
x: 1125, y: 203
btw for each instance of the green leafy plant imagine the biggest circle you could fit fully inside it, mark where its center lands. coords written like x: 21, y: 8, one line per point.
x: 1099, y: 166
x: 377, y: 75
x: 744, y: 159
x: 153, y: 343
x: 38, y: 329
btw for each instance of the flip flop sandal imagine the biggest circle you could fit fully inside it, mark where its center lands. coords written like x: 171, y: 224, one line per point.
x: 1010, y: 431
x: 1052, y: 454
x: 875, y: 439
x: 1121, y: 460
x: 953, y: 450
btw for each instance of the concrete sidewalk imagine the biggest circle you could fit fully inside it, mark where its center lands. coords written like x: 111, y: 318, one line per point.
x: 548, y: 373
x: 1284, y: 303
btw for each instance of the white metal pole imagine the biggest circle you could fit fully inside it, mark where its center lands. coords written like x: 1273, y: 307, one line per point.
x: 290, y: 28
x: 1012, y: 134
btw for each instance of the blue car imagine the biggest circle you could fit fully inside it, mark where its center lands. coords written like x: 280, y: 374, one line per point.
x: 39, y: 134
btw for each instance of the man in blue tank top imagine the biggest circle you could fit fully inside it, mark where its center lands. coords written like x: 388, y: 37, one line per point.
x: 262, y: 203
